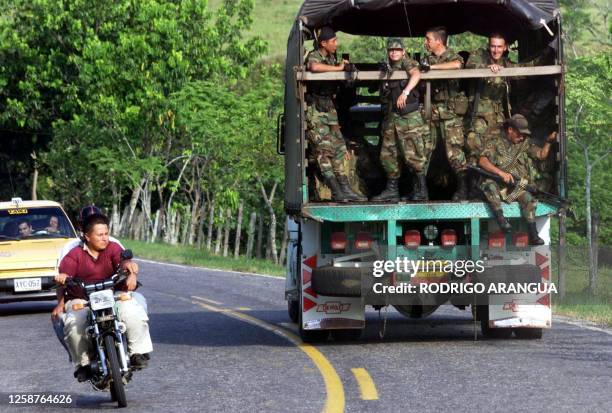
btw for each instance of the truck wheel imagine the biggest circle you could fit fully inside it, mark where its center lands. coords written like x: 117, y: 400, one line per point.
x: 416, y: 310
x: 528, y: 333
x: 482, y: 312
x: 351, y: 334
x: 313, y: 336
x: 338, y: 281
x: 293, y: 308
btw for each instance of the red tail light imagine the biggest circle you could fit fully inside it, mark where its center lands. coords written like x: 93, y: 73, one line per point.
x: 449, y: 238
x: 338, y: 241
x: 412, y: 238
x: 497, y: 240
x: 363, y: 241
x: 520, y: 239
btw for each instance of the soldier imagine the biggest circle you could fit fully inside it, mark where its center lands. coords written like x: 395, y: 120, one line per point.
x: 323, y: 130
x: 490, y: 93
x: 404, y: 131
x: 449, y: 104
x: 512, y: 154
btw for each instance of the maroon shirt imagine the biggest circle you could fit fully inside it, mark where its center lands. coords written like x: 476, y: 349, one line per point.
x: 78, y: 263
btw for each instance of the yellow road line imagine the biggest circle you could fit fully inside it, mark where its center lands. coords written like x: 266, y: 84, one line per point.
x: 366, y: 384
x: 335, y: 401
x: 243, y: 309
x: 207, y: 300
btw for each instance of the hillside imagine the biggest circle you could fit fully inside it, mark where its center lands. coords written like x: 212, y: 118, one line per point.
x: 272, y: 20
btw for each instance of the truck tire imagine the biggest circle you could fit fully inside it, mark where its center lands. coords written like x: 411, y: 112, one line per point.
x: 339, y: 281
x: 482, y: 312
x: 343, y: 335
x: 293, y: 308
x: 311, y: 336
x: 415, y: 310
x: 528, y: 333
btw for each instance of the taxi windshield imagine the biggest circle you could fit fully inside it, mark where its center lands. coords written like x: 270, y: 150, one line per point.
x: 22, y: 223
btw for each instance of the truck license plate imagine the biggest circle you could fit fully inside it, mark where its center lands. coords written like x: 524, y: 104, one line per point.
x: 27, y: 284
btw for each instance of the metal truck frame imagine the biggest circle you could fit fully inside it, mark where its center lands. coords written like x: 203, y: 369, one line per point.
x: 332, y: 246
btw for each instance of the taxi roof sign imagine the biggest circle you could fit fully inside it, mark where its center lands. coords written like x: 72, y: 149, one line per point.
x: 17, y: 200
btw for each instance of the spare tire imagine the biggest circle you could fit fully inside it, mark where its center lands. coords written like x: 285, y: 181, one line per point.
x: 339, y: 281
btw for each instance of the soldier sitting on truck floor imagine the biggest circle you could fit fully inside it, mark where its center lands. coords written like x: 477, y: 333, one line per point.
x: 405, y: 133
x: 449, y: 104
x: 323, y: 130
x: 512, y: 154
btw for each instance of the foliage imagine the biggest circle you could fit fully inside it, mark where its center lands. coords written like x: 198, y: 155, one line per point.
x: 98, y: 77
x: 589, y: 82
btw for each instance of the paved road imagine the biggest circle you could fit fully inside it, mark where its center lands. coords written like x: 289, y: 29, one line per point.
x: 210, y: 356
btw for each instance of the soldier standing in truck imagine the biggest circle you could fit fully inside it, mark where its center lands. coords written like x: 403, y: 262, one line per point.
x: 405, y: 133
x: 449, y: 105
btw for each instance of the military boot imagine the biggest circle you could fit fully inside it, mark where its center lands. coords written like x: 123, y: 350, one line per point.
x: 336, y: 192
x: 348, y: 192
x: 409, y: 195
x: 504, y: 225
x: 420, y: 191
x: 390, y: 194
x: 462, y: 188
x: 534, y: 238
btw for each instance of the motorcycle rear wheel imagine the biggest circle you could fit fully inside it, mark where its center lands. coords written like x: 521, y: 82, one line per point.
x: 117, y: 389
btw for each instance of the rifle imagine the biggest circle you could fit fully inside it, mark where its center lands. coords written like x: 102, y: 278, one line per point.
x: 553, y: 199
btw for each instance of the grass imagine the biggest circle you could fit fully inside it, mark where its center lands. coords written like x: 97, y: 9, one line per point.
x: 201, y: 258
x: 577, y: 302
x: 272, y: 21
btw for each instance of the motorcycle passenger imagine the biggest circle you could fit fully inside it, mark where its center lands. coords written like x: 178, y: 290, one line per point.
x: 97, y: 260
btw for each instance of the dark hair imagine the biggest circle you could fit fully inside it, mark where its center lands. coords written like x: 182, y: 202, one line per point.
x: 498, y: 35
x: 87, y: 211
x: 24, y: 221
x: 93, y: 220
x: 439, y: 33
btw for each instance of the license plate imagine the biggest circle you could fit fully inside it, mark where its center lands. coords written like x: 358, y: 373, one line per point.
x: 101, y: 299
x: 27, y: 284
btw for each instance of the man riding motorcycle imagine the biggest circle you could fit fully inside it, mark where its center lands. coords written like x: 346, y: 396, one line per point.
x: 97, y: 260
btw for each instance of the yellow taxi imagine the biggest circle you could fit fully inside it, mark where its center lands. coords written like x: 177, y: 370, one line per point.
x: 32, y: 234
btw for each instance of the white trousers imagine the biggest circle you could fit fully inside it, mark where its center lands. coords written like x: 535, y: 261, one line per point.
x: 132, y: 312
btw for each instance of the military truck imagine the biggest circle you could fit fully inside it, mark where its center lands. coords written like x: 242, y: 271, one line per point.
x: 333, y: 247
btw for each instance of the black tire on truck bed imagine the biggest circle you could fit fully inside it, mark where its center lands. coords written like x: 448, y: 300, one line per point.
x: 339, y: 281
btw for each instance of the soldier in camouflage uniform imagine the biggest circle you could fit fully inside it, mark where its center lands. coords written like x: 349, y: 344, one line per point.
x: 449, y: 105
x: 322, y: 127
x: 405, y: 134
x: 509, y: 155
x: 488, y: 108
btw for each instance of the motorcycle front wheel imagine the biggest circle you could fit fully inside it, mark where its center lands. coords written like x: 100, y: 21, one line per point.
x: 117, y: 389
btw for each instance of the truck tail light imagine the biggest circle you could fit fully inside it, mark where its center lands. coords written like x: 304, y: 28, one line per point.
x: 449, y: 238
x: 520, y: 239
x: 497, y: 239
x: 338, y: 241
x: 363, y: 241
x: 412, y: 238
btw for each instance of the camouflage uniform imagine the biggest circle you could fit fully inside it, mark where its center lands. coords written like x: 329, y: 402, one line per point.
x: 518, y: 160
x: 489, y: 115
x: 445, y: 94
x: 406, y: 135
x: 322, y: 127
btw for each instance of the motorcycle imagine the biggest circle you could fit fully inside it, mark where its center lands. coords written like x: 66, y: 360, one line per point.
x: 110, y: 365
